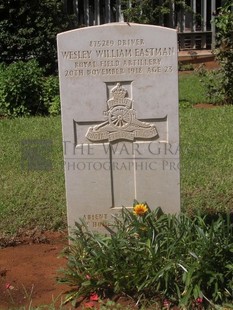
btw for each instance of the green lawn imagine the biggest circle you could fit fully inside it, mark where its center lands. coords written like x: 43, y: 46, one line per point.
x: 206, y: 159
x: 31, y: 199
x: 191, y: 91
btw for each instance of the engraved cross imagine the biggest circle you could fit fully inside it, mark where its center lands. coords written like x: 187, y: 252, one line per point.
x: 122, y: 126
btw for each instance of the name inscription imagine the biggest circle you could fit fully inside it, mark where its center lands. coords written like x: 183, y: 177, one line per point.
x: 117, y: 57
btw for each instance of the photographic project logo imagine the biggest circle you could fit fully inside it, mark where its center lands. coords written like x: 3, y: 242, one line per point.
x: 36, y: 155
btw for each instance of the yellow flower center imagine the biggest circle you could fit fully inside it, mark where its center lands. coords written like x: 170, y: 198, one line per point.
x: 140, y: 209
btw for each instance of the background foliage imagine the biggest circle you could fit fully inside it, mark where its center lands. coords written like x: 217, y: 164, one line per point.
x: 28, y: 30
x: 152, y: 12
x: 219, y: 83
x: 25, y: 90
x: 224, y: 50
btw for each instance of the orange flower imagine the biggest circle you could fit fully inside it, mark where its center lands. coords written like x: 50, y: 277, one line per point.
x: 140, y: 209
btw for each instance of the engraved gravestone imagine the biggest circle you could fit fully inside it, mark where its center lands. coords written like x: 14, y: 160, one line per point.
x: 119, y: 95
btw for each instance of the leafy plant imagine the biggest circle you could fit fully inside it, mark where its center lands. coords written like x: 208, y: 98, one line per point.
x: 55, y: 106
x: 224, y: 49
x: 153, y: 256
x: 212, y: 82
x: 220, y: 82
x: 28, y: 30
x: 51, y: 96
x: 21, y: 85
x: 25, y: 91
x: 152, y: 12
x: 185, y: 66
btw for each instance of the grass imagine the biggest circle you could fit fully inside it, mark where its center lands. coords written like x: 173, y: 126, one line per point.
x: 191, y: 91
x: 206, y: 159
x: 30, y: 199
x: 206, y: 148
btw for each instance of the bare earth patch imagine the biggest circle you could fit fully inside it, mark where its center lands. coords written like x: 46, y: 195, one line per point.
x: 28, y: 272
x: 204, y: 106
x: 29, y: 265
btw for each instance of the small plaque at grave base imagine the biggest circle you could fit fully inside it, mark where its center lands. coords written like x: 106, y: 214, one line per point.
x: 119, y: 94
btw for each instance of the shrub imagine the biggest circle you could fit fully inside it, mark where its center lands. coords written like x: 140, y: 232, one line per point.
x: 152, y: 12
x: 28, y: 30
x: 25, y: 91
x: 212, y: 82
x: 55, y: 106
x: 220, y: 82
x: 224, y: 49
x: 153, y: 256
x: 51, y: 95
x: 21, y: 86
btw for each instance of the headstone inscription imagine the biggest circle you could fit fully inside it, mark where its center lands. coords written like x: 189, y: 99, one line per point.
x: 119, y: 95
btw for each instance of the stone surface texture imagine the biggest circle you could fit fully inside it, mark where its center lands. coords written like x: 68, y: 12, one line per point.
x: 119, y: 94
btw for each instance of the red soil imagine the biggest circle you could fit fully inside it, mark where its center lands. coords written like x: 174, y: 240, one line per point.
x: 28, y: 272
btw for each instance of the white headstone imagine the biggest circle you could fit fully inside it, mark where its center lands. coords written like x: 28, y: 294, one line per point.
x: 119, y: 94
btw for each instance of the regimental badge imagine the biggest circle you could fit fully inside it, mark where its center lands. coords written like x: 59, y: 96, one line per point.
x: 121, y: 122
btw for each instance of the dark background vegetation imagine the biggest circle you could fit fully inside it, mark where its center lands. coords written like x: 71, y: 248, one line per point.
x: 28, y: 30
